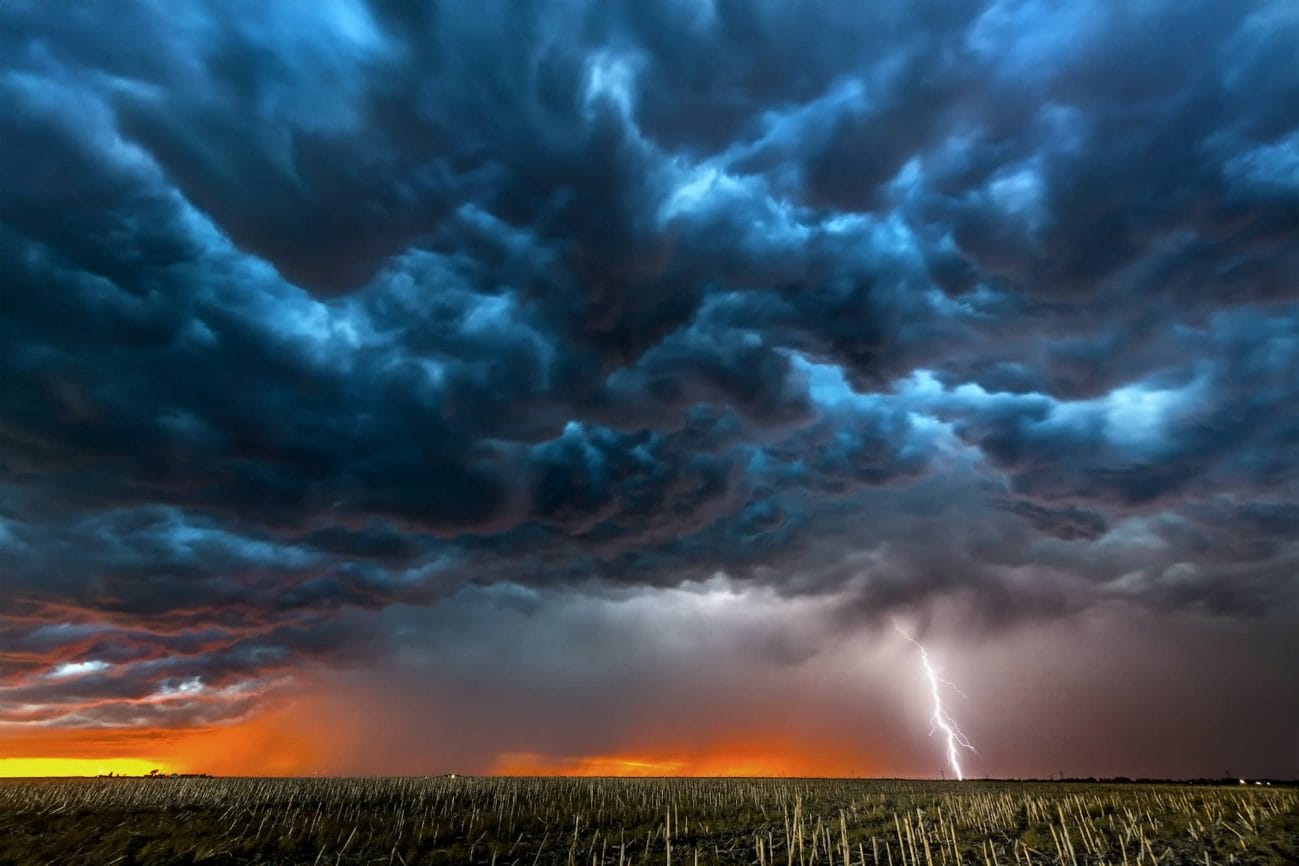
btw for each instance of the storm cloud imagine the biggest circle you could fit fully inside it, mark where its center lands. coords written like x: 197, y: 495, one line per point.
x: 311, y: 314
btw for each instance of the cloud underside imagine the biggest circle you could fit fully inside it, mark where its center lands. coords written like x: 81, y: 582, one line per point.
x: 314, y: 312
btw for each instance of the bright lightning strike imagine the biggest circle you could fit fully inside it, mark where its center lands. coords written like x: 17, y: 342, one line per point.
x: 940, y: 720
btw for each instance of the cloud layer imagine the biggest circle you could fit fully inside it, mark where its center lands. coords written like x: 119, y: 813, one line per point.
x: 310, y: 314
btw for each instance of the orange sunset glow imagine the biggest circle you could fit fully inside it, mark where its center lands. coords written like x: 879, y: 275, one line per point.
x: 738, y: 758
x: 323, y: 731
x: 274, y: 745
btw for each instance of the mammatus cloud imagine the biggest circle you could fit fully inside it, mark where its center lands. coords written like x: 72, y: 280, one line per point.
x: 310, y: 315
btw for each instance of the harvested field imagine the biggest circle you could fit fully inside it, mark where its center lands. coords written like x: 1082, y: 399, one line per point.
x: 637, y: 821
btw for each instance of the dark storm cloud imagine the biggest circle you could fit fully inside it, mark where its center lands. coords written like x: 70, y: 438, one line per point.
x: 1216, y: 418
x: 311, y: 311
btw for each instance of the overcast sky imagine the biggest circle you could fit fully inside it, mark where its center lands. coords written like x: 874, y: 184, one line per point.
x: 588, y: 387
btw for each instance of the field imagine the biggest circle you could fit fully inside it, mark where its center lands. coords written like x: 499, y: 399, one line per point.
x: 637, y: 821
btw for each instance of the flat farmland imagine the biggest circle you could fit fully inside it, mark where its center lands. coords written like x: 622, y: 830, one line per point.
x: 530, y: 821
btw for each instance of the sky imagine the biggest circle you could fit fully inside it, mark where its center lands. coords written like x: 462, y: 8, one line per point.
x: 589, y: 387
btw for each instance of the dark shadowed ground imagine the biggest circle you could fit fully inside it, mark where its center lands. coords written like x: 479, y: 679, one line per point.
x: 624, y: 821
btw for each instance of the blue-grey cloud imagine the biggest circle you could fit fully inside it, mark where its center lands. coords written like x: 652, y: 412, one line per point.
x: 312, y: 311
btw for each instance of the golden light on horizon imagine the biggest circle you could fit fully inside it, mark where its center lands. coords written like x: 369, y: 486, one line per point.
x: 279, y: 741
x: 306, y: 736
x: 18, y: 768
x: 741, y: 757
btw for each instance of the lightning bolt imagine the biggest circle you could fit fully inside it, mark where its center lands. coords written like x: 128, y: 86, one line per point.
x: 940, y: 720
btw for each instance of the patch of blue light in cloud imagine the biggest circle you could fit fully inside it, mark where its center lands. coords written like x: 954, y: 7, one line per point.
x: 1270, y: 166
x: 1026, y: 41
x: 75, y: 669
x: 1019, y: 193
x: 699, y: 188
x: 611, y: 77
x: 184, y: 539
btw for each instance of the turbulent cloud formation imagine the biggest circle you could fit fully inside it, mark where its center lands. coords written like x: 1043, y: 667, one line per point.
x: 320, y: 318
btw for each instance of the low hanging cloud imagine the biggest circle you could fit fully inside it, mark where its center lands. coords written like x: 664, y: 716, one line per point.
x: 310, y: 314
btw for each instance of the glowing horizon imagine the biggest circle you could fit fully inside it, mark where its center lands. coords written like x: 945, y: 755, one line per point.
x: 36, y: 768
x: 257, y: 749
